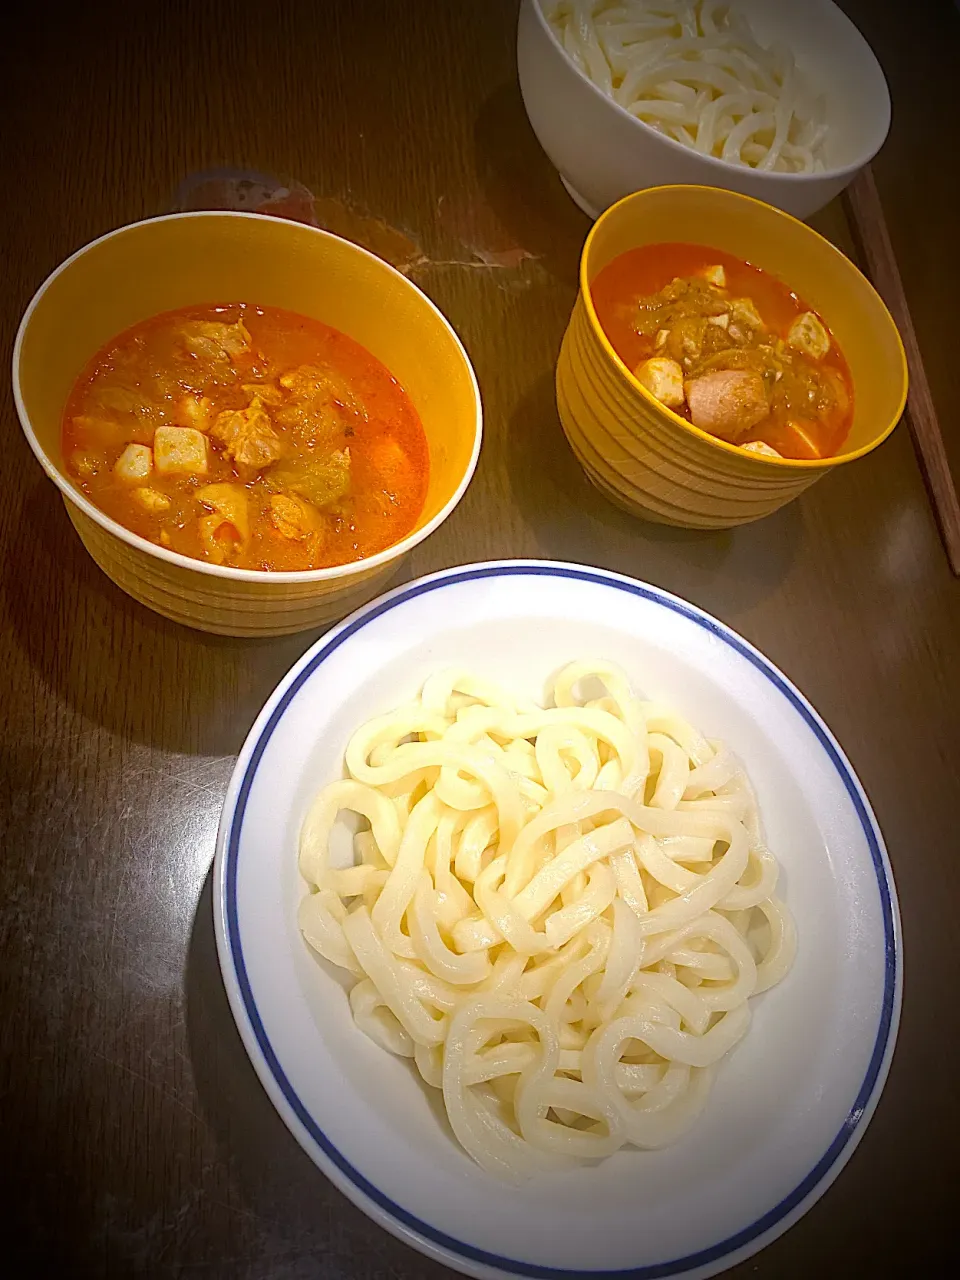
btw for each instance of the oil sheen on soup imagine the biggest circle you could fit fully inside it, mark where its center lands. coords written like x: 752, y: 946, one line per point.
x: 729, y: 347
x: 248, y: 436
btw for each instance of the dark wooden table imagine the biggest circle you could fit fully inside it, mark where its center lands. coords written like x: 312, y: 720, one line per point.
x: 135, y: 1137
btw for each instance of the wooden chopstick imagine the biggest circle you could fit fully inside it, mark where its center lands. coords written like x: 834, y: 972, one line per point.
x: 865, y: 213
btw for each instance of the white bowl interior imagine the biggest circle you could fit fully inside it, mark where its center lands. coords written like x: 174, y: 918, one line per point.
x: 779, y: 1102
x: 603, y: 153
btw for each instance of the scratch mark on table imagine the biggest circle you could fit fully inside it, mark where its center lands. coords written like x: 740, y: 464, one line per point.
x: 159, y: 1088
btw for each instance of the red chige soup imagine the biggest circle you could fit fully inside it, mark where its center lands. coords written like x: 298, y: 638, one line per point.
x: 729, y: 347
x: 248, y: 436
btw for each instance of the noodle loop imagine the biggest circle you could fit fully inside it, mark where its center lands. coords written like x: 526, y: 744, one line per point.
x: 694, y: 71
x: 559, y: 915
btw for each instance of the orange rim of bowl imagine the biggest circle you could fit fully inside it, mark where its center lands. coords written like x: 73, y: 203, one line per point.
x: 331, y: 573
x: 805, y: 464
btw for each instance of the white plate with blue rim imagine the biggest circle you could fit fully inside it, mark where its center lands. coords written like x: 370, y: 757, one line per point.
x: 789, y: 1104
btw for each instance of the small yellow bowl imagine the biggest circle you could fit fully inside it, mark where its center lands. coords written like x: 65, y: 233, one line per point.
x: 165, y: 263
x: 650, y: 460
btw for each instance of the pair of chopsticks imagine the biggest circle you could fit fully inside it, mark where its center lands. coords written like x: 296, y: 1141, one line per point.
x: 865, y: 213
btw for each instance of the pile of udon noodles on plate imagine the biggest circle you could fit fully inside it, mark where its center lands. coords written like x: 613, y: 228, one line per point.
x: 694, y: 70
x: 559, y: 914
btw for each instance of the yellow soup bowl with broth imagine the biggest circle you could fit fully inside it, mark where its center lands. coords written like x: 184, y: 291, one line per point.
x: 650, y: 459
x: 182, y: 260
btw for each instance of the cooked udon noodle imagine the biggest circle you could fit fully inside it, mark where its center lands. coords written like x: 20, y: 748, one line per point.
x: 694, y: 70
x: 560, y: 915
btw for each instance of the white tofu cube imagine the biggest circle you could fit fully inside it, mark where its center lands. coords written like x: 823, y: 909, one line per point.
x: 663, y: 378
x: 191, y: 412
x: 745, y: 314
x: 134, y: 464
x: 758, y: 446
x: 722, y: 322
x: 808, y: 335
x: 151, y: 500
x: 716, y: 275
x: 87, y: 464
x: 180, y: 451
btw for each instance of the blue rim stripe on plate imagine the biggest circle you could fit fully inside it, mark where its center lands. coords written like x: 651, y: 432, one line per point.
x: 468, y: 1252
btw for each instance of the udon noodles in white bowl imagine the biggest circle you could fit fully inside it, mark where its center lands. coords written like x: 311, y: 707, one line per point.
x: 560, y: 915
x: 694, y: 70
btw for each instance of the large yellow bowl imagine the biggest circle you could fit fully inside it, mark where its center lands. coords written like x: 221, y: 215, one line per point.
x: 165, y: 263
x: 652, y: 461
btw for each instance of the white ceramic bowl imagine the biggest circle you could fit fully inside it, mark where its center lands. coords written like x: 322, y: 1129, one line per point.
x: 792, y: 1100
x: 603, y: 153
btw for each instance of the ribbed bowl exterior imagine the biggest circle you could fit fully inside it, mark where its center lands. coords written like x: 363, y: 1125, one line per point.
x: 224, y: 606
x: 646, y: 462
